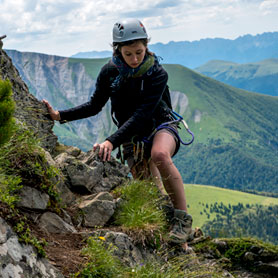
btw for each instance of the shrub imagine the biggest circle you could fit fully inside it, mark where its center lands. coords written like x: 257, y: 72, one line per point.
x: 22, y: 159
x: 7, y: 106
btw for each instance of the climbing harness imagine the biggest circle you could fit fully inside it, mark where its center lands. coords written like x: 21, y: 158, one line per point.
x: 177, y: 119
x: 138, y: 146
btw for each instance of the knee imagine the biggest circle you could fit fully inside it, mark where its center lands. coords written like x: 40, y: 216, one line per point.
x: 160, y: 157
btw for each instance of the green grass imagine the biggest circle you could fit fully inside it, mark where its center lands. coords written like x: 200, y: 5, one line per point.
x: 222, y: 105
x: 138, y: 213
x: 138, y: 209
x: 244, y: 71
x: 199, y: 195
x: 92, y: 66
x: 235, y: 250
x: 103, y: 263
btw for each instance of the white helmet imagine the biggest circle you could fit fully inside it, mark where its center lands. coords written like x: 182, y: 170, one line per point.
x: 127, y: 30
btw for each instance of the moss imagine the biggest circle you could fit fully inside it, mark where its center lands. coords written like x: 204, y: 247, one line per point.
x: 24, y: 234
x: 234, y: 250
x: 237, y: 247
x: 207, y: 244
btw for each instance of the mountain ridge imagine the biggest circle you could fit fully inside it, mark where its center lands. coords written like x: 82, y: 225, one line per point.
x: 243, y: 49
x: 257, y: 77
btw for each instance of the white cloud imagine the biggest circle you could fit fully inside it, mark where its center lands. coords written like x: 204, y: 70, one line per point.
x: 269, y: 7
x: 65, y: 27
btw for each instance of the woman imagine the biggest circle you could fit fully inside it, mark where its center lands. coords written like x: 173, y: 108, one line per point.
x: 136, y: 84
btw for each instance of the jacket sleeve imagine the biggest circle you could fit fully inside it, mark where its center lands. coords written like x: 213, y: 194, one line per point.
x: 94, y: 105
x: 153, y: 89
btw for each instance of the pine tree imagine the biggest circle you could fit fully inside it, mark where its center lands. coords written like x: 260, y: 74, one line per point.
x: 7, y: 106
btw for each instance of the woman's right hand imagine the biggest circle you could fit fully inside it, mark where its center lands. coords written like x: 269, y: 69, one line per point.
x: 104, y: 150
x: 54, y: 115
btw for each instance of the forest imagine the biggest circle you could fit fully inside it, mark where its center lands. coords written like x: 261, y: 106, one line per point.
x: 242, y: 221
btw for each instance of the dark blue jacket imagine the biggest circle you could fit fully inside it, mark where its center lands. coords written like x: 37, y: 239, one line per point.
x: 139, y: 104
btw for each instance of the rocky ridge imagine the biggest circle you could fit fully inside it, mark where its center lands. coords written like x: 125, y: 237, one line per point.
x: 29, y: 110
x: 85, y: 185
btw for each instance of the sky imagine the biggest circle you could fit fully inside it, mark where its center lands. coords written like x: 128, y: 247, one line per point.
x: 66, y: 27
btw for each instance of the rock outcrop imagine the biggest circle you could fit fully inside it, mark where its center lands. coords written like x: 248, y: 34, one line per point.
x: 18, y: 260
x: 29, y: 110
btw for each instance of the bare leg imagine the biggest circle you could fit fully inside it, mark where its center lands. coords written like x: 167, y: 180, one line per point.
x: 162, y: 150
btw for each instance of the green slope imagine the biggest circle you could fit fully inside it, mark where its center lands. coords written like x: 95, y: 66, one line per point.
x: 236, y: 112
x: 257, y: 77
x: 236, y: 139
x: 92, y: 66
x: 198, y: 196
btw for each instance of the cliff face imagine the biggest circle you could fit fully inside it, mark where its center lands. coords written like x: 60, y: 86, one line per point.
x: 54, y: 77
x: 29, y: 110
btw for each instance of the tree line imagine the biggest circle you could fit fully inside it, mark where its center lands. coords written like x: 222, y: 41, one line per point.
x: 250, y: 220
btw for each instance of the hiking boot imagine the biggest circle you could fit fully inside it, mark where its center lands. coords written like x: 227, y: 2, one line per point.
x: 168, y: 209
x: 181, y: 229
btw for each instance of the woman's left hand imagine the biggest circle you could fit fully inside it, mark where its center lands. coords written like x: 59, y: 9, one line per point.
x: 105, y: 150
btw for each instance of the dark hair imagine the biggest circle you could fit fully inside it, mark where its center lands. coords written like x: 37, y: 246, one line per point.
x: 118, y: 45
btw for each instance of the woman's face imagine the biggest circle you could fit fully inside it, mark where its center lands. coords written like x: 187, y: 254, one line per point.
x: 134, y: 54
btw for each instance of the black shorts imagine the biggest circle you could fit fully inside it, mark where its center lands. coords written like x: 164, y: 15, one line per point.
x: 130, y: 149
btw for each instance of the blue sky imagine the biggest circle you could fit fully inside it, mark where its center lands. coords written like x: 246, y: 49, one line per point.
x: 65, y: 27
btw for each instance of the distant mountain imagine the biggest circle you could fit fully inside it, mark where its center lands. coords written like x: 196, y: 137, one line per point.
x: 93, y: 54
x: 235, y: 131
x: 243, y: 49
x: 261, y: 77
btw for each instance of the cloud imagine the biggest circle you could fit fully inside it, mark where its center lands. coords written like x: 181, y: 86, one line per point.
x: 140, y: 13
x: 29, y: 16
x: 150, y: 8
x: 269, y: 7
x: 65, y: 27
x: 167, y: 3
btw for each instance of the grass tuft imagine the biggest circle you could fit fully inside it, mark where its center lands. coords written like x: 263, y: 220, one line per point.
x: 101, y: 263
x: 139, y: 212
